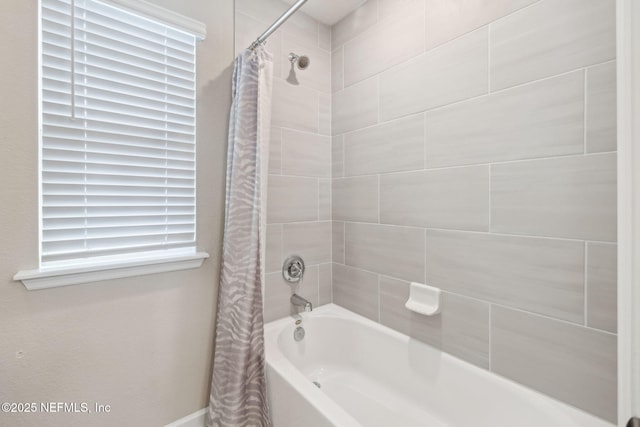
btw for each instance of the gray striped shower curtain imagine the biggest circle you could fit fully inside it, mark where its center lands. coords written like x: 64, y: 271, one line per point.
x: 238, y: 389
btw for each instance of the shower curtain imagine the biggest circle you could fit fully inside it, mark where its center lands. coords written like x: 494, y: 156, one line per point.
x: 238, y: 389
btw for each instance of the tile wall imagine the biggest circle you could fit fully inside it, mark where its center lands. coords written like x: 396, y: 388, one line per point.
x: 469, y: 145
x: 474, y: 149
x: 299, y: 187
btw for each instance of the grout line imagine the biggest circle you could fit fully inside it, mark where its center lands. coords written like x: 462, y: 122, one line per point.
x: 489, y: 302
x: 489, y: 58
x: 307, y: 177
x: 319, y: 114
x: 344, y: 243
x: 584, y: 113
x: 342, y: 145
x: 332, y: 263
x: 300, y: 222
x: 282, y: 252
x: 490, y: 334
x: 424, y: 35
x: 424, y: 141
x: 331, y: 250
x: 500, y: 162
x: 378, y: 201
x: 609, y: 61
x: 425, y: 257
x: 342, y: 85
x: 490, y: 197
x: 486, y: 233
x: 318, y: 192
x: 379, y: 310
x: 281, y: 154
x: 378, y: 100
x: 307, y: 132
x: 586, y: 288
x: 519, y: 85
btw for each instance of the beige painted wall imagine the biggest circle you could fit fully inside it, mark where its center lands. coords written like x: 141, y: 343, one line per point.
x: 142, y: 345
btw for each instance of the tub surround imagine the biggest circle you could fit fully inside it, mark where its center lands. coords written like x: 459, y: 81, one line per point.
x: 464, y: 145
x: 479, y: 157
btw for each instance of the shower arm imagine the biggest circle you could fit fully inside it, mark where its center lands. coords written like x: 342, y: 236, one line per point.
x: 293, y: 9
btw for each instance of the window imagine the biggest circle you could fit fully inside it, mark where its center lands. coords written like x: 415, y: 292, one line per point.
x: 117, y: 135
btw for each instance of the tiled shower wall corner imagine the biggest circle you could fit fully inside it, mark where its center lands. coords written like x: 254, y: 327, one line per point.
x: 474, y: 149
x: 299, y: 186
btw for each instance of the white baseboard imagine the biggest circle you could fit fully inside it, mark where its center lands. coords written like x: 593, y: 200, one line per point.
x: 197, y: 419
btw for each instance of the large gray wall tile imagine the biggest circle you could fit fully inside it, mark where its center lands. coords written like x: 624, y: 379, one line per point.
x: 354, y: 23
x: 306, y: 154
x: 294, y: 107
x: 355, y: 107
x: 324, y: 199
x: 455, y: 198
x: 277, y: 293
x: 551, y: 37
x: 572, y: 197
x: 337, y: 70
x: 324, y: 36
x: 389, y: 250
x: 545, y: 276
x: 337, y: 156
x: 292, y: 199
x: 461, y: 328
x: 450, y: 73
x: 275, y: 151
x: 310, y: 240
x: 465, y: 328
x: 325, y: 283
x: 337, y: 241
x: 448, y: 19
x: 376, y: 50
x: 389, y: 147
x: 538, y: 120
x: 324, y: 113
x: 569, y: 362
x: 273, y: 256
x: 355, y: 199
x: 602, y: 276
x: 356, y: 290
x: 601, y: 108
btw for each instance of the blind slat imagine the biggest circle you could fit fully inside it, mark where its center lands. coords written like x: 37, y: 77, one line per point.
x: 118, y: 133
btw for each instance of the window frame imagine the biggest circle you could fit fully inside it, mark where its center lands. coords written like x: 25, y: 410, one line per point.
x: 106, y: 268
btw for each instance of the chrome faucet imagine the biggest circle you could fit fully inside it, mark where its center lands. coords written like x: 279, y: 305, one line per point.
x: 301, y: 302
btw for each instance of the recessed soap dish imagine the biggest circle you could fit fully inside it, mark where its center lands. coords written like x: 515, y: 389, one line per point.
x: 423, y: 299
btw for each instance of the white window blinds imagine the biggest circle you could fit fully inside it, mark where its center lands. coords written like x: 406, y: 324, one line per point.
x: 118, y: 133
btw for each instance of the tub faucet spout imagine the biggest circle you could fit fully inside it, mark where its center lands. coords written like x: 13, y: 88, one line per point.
x: 301, y: 302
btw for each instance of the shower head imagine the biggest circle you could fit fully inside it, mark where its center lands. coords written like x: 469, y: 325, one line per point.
x: 301, y: 61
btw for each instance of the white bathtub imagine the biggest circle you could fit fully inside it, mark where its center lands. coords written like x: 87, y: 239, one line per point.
x: 372, y: 376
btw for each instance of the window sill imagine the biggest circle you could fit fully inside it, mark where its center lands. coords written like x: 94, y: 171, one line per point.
x: 53, y: 278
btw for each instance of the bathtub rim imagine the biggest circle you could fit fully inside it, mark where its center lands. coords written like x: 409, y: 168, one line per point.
x: 277, y: 361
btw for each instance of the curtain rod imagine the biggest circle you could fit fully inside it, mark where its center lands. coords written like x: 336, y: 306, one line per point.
x: 277, y: 24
